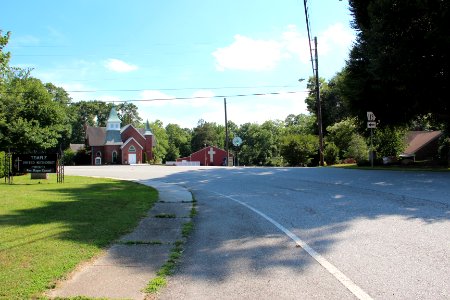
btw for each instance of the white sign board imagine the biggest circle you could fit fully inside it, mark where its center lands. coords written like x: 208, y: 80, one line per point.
x: 370, y: 116
x: 371, y: 124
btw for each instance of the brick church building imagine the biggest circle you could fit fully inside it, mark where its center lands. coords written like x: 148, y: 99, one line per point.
x: 119, y: 145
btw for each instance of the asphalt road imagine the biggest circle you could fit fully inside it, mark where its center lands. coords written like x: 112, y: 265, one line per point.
x: 308, y: 233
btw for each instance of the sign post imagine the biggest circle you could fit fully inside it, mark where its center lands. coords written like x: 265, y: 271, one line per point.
x: 371, y: 124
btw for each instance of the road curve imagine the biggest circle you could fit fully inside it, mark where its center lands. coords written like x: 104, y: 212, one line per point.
x: 310, y: 233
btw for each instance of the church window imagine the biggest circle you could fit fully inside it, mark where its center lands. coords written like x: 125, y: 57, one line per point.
x: 114, y: 156
x: 132, y: 149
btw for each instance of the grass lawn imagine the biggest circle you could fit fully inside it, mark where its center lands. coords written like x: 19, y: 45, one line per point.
x: 47, y: 228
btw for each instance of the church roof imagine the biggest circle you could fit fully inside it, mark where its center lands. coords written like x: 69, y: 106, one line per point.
x: 148, y: 131
x: 95, y: 135
x: 113, y: 117
x: 113, y: 138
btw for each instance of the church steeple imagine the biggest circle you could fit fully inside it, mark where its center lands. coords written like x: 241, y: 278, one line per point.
x: 113, y: 122
x: 148, y: 131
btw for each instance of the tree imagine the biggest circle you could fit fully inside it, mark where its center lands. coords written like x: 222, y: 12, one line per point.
x: 300, y: 124
x: 341, y: 134
x: 128, y: 114
x: 399, y: 67
x: 162, y: 142
x: 209, y: 134
x: 357, y: 149
x: 390, y: 141
x: 334, y: 106
x: 4, y: 57
x: 179, y: 140
x: 298, y: 150
x: 35, y: 120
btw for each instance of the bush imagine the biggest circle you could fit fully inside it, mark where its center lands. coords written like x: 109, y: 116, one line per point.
x: 357, y: 149
x: 331, y: 153
x: 298, y: 150
x: 68, y: 157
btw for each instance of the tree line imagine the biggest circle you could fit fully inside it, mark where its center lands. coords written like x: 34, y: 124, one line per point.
x: 398, y: 68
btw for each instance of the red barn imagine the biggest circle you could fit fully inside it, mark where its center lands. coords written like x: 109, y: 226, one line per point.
x: 115, y: 145
x: 208, y: 156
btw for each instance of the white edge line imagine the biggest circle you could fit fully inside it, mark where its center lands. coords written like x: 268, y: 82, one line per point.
x: 341, y: 277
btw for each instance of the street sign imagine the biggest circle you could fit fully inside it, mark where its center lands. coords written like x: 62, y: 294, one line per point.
x: 370, y: 116
x: 371, y: 124
x: 237, y: 141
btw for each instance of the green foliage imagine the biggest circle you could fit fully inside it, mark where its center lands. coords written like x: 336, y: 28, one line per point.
x: 299, y: 149
x: 162, y: 142
x: 209, y: 134
x: 399, y: 67
x: 332, y: 98
x: 389, y: 141
x: 261, y: 144
x: 69, y: 156
x: 300, y: 124
x: 357, y: 148
x: 4, y: 57
x: 331, y: 153
x: 128, y: 114
x: 35, y: 120
x: 47, y: 229
x: 341, y: 134
x: 179, y: 142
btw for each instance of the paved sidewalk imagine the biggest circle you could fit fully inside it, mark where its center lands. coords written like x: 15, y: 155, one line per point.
x: 127, y: 267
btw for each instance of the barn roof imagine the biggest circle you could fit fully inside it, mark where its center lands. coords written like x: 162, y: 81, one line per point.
x: 416, y: 140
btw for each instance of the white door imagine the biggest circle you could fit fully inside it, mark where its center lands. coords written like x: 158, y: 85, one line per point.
x: 132, y: 158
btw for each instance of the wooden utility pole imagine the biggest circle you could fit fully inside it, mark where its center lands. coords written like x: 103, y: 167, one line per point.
x: 226, y: 131
x: 319, y: 105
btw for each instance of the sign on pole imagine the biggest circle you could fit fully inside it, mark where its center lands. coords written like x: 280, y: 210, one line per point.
x: 371, y: 124
x: 370, y: 116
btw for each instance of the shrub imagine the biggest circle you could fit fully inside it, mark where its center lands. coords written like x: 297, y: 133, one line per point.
x: 358, y: 148
x: 331, y: 153
x: 299, y: 149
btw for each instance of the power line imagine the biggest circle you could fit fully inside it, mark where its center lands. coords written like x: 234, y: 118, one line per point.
x: 206, y: 97
x: 180, y: 89
x: 309, y: 34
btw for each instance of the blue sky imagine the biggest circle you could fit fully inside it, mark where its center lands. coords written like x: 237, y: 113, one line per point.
x: 145, y: 50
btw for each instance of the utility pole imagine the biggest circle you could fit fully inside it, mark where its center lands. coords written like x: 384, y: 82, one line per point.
x: 319, y: 105
x: 226, y: 131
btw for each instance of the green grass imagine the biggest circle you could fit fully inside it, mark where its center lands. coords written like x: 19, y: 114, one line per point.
x: 47, y: 228
x: 166, y: 270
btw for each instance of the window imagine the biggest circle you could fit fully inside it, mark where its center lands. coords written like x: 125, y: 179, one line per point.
x: 132, y: 149
x: 114, y: 156
x: 98, y: 154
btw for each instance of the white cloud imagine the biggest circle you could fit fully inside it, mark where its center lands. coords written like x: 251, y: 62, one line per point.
x: 120, y: 66
x: 335, y: 38
x: 155, y: 98
x: 248, y: 54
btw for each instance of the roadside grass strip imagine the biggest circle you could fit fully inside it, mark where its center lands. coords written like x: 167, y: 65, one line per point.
x: 160, y: 281
x: 48, y: 228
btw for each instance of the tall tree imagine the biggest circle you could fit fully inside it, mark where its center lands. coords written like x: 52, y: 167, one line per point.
x: 162, y: 142
x: 209, y: 134
x: 399, y: 66
x: 179, y: 142
x: 34, y: 120
x: 334, y: 106
x: 128, y: 114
